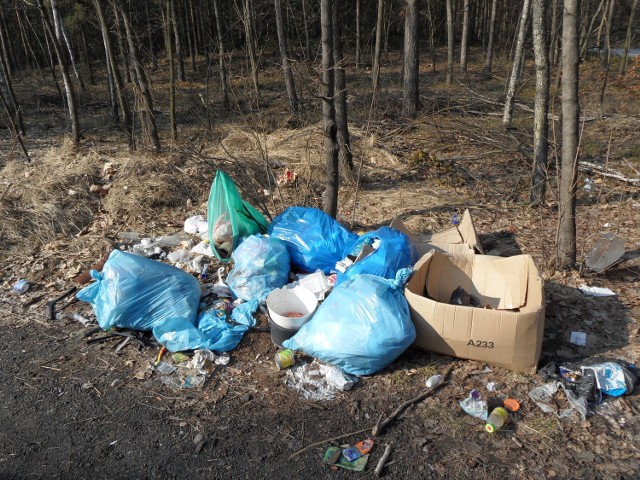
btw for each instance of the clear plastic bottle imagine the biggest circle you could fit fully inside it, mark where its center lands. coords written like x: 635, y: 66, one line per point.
x: 497, y: 419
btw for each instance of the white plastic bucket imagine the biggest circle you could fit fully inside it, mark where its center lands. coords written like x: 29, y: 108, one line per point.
x: 291, y: 308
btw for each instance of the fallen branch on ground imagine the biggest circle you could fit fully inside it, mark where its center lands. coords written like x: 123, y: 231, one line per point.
x: 383, y: 460
x: 382, y: 425
x: 605, y: 172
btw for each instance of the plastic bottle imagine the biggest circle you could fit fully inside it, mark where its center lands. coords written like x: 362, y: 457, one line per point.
x: 497, y: 419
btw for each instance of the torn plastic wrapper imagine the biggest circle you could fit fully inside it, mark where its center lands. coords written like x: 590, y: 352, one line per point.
x: 543, y: 396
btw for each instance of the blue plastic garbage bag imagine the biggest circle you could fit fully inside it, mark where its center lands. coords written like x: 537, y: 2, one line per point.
x: 261, y: 264
x: 213, y: 331
x: 138, y: 293
x: 392, y: 251
x: 362, y: 326
x: 315, y: 240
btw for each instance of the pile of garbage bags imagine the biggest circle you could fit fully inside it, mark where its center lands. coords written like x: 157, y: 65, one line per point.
x: 362, y: 326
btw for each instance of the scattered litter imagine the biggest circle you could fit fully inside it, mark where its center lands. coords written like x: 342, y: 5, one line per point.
x: 165, y: 368
x: 202, y: 248
x: 492, y: 386
x: 578, y: 338
x: 433, y: 380
x: 287, y: 178
x: 588, y: 184
x: 317, y: 381
x: 460, y: 297
x: 284, y: 359
x: 317, y: 283
x: 82, y: 319
x: 196, y: 225
x: 179, y: 256
x: 511, y: 404
x: 475, y: 405
x: 613, y: 378
x: 333, y: 456
x: 607, y: 250
x: 220, y: 288
x: 21, y: 286
x: 496, y: 420
x: 543, y: 396
x: 358, y: 450
x: 596, y: 291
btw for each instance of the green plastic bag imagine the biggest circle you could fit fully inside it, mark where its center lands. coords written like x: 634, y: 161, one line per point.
x: 231, y: 219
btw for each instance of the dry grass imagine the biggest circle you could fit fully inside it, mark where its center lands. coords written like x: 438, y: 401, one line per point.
x: 50, y: 196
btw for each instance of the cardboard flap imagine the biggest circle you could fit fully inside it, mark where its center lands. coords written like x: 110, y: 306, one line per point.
x: 457, y: 239
x: 496, y: 281
x: 502, y: 282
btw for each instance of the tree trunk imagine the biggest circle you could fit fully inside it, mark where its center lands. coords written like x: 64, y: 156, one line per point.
x: 450, y: 41
x: 307, y: 43
x: 289, y: 83
x: 492, y: 24
x: 566, y: 248
x: 589, y: 30
x: 553, y: 42
x: 377, y: 53
x: 517, y: 59
x: 87, y: 55
x: 223, y: 68
x: 432, y: 36
x: 194, y: 38
x: 541, y: 110
x: 411, y: 94
x: 52, y: 63
x: 141, y: 81
x: 465, y: 37
x: 12, y: 107
x: 118, y: 84
x: 606, y: 55
x: 152, y: 52
x: 345, y: 158
x: 178, y: 43
x: 70, y: 94
x: 121, y: 47
x: 172, y: 78
x: 250, y: 45
x: 61, y: 35
x: 5, y: 51
x: 358, y: 38
x: 627, y: 41
x: 328, y: 111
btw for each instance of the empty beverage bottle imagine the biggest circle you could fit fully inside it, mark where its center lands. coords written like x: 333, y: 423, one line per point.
x: 497, y: 419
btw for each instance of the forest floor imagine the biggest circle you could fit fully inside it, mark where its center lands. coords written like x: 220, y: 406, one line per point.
x: 77, y: 410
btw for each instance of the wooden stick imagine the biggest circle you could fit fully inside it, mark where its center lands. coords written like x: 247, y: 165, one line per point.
x: 383, y: 460
x: 327, y: 440
x: 381, y: 426
x: 592, y: 167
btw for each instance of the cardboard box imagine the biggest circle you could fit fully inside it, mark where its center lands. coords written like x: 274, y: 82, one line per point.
x: 509, y: 334
x: 459, y: 239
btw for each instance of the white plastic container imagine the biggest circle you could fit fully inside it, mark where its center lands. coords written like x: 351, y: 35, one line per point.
x: 291, y: 308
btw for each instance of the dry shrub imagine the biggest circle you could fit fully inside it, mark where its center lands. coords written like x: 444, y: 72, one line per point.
x: 50, y: 196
